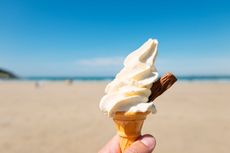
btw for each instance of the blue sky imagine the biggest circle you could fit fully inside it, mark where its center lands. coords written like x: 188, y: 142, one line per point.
x: 68, y: 38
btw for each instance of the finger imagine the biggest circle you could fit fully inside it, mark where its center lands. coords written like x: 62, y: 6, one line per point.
x: 112, y: 146
x: 145, y: 144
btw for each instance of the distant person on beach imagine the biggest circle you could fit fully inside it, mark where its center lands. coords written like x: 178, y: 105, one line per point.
x: 38, y: 84
x: 69, y: 82
x: 145, y: 144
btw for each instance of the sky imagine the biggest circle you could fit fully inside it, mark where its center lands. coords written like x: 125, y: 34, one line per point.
x: 92, y: 38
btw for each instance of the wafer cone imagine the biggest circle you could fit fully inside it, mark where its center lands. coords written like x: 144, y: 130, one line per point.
x: 129, y: 125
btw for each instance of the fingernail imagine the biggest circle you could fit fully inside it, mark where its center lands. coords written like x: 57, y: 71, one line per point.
x: 149, y: 141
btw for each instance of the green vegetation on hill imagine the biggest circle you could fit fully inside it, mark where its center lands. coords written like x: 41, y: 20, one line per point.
x: 7, y: 75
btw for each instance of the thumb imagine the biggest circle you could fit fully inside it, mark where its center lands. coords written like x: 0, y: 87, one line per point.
x: 145, y: 144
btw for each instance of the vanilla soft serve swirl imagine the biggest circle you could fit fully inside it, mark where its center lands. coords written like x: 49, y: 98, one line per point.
x: 130, y: 89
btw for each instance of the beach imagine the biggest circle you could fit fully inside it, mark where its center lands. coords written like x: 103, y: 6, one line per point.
x: 47, y: 117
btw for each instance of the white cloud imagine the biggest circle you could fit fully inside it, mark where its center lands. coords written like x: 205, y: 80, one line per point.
x: 99, y: 66
x: 195, y: 66
x: 179, y: 66
x: 101, y: 61
x: 110, y: 66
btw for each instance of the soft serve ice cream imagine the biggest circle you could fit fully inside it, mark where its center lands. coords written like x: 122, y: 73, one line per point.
x: 130, y: 90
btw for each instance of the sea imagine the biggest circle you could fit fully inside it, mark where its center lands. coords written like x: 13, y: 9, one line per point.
x: 109, y: 78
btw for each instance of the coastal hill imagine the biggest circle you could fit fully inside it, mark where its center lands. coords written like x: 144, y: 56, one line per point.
x: 4, y: 74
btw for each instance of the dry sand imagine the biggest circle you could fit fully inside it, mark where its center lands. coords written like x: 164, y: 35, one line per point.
x: 59, y: 118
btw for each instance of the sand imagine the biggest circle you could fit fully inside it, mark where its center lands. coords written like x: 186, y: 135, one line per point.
x: 60, y: 118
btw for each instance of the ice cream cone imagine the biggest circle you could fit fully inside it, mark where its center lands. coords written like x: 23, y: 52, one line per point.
x: 129, y: 125
x: 134, y: 89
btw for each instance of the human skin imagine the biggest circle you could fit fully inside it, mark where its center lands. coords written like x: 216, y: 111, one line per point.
x: 145, y: 144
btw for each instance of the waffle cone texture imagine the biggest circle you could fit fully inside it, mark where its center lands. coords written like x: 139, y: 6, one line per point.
x: 128, y: 126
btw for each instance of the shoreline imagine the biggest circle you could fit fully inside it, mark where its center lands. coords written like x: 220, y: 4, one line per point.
x: 107, y: 81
